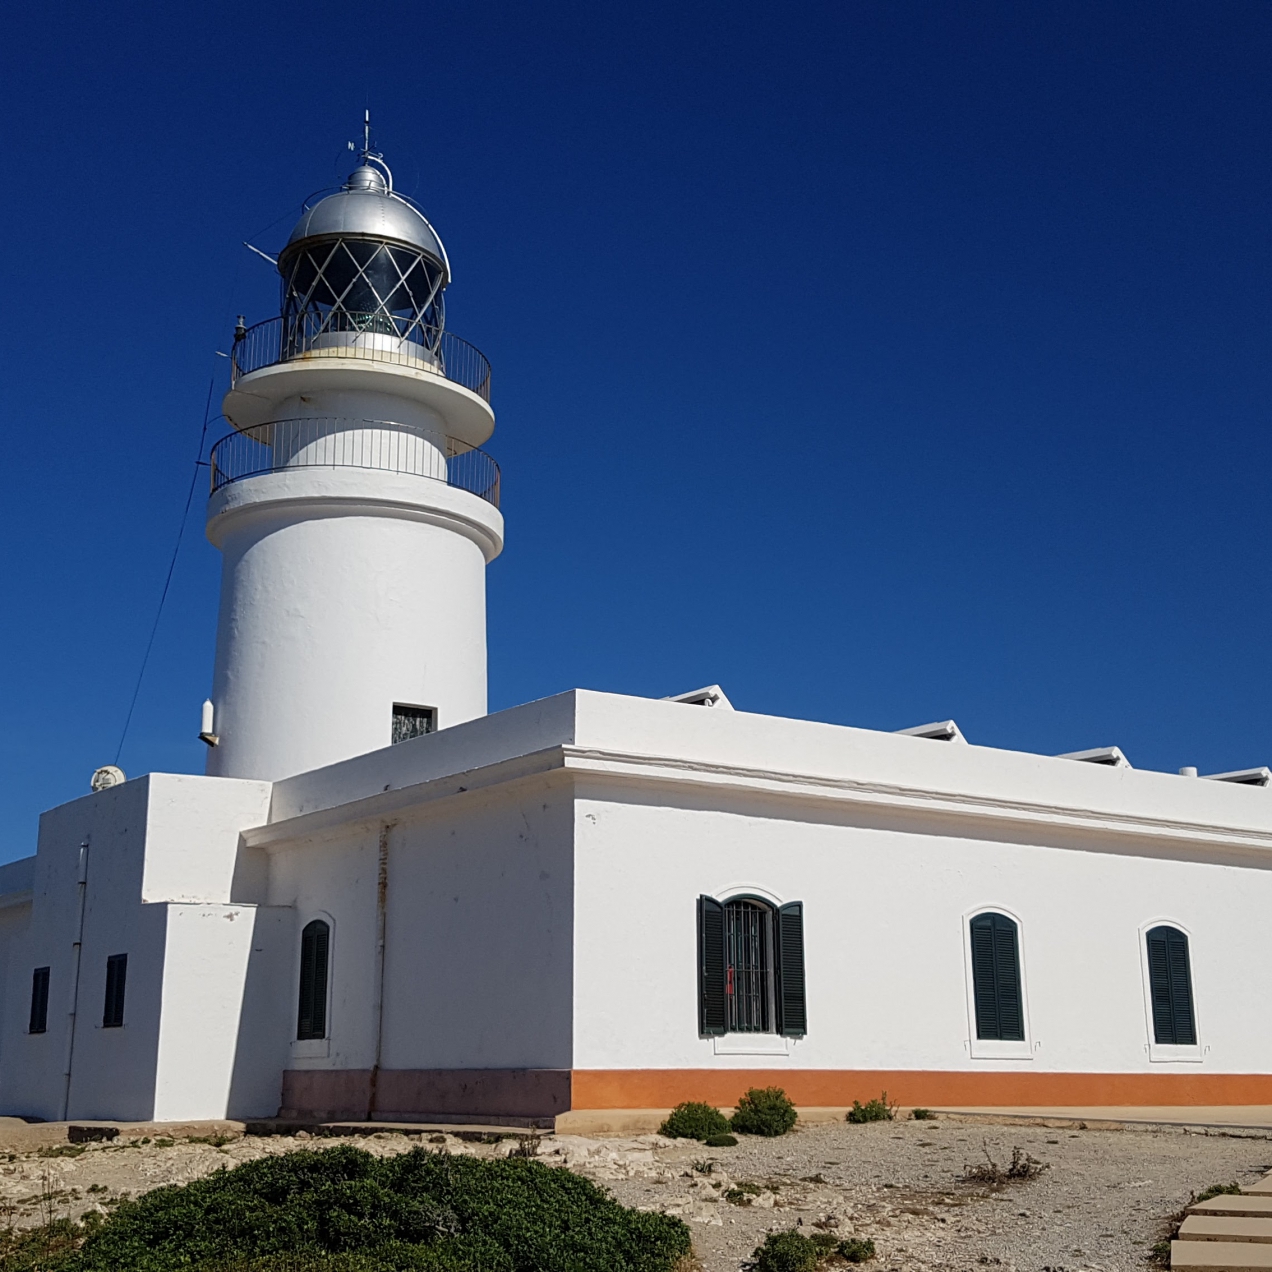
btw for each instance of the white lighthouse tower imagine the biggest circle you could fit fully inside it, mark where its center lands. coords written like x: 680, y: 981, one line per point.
x: 352, y: 505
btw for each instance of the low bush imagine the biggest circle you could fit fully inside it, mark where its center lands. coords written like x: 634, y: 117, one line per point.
x: 857, y: 1249
x: 32, y: 1249
x: 792, y: 1251
x: 1022, y: 1167
x: 344, y: 1210
x: 743, y: 1193
x: 923, y: 1115
x: 872, y: 1110
x: 764, y: 1111
x: 721, y: 1141
x: 694, y: 1120
x: 1217, y: 1190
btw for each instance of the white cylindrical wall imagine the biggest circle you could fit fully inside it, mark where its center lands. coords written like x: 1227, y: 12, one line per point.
x: 344, y: 592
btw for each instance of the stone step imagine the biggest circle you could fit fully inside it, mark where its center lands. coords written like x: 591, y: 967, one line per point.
x: 1219, y: 1256
x: 1249, y: 1207
x: 1225, y: 1228
x: 1262, y: 1189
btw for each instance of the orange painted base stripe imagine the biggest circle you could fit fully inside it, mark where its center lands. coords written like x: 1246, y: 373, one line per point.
x: 664, y: 1088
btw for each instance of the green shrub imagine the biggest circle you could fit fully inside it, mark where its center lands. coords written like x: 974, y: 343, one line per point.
x: 343, y: 1210
x: 857, y: 1249
x: 721, y: 1141
x: 787, y: 1252
x: 872, y: 1110
x: 1218, y: 1190
x: 694, y: 1120
x: 923, y: 1115
x: 764, y: 1111
x: 33, y: 1249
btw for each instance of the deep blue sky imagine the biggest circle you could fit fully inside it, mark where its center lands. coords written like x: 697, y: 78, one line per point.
x: 881, y: 361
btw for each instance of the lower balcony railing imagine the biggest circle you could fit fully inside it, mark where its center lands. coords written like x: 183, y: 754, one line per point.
x: 334, y: 442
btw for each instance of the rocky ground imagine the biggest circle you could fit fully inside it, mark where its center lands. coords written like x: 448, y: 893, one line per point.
x: 1099, y: 1204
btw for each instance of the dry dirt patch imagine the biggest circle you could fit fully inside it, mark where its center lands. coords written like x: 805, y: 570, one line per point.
x: 1099, y: 1205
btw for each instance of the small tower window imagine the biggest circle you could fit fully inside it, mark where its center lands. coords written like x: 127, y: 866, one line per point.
x: 315, y: 942
x: 116, y: 976
x: 996, y: 978
x: 39, y: 1022
x: 411, y: 722
x: 1170, y: 983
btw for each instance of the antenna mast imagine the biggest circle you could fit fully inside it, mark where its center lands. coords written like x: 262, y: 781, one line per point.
x: 373, y: 156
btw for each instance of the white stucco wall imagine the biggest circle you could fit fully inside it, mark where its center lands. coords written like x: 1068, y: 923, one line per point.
x: 344, y: 591
x: 222, y: 1047
x: 148, y: 841
x: 885, y: 940
x: 891, y: 842
x: 192, y: 835
x: 478, y: 933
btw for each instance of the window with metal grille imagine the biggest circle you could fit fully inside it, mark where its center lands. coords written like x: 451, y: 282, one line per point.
x: 410, y: 722
x: 1170, y: 987
x: 315, y: 942
x: 116, y: 976
x: 748, y: 967
x: 751, y: 967
x: 39, y: 1021
x: 996, y: 978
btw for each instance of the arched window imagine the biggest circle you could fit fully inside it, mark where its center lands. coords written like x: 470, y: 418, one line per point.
x: 1170, y: 986
x: 748, y: 967
x: 312, y: 1016
x: 996, y: 978
x: 751, y: 967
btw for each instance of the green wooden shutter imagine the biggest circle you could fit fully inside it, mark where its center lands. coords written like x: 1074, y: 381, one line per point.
x: 116, y: 980
x: 999, y: 1006
x: 711, y: 1013
x: 1170, y: 988
x: 792, y: 1000
x: 1011, y: 1016
x: 39, y: 1021
x: 311, y: 1019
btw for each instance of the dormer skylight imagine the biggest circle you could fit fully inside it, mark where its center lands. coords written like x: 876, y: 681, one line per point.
x: 1110, y: 756
x: 1260, y: 776
x: 938, y: 731
x: 708, y: 696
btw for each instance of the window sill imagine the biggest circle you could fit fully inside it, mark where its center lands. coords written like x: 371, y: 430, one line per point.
x: 756, y: 1044
x: 311, y: 1048
x: 996, y: 1049
x: 1159, y: 1053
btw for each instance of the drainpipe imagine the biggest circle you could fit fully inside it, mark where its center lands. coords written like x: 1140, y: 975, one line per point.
x: 377, y: 999
x: 77, y: 949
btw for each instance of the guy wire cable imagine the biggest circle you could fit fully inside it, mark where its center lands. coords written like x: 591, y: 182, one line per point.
x: 172, y: 565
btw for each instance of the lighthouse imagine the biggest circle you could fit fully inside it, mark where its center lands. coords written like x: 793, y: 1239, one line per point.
x: 352, y: 503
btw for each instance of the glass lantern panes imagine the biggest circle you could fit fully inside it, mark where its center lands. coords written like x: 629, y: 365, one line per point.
x: 361, y: 285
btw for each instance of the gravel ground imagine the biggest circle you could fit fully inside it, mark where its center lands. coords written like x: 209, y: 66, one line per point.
x: 1100, y: 1203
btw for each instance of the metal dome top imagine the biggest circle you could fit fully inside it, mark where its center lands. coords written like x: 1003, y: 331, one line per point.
x: 367, y: 207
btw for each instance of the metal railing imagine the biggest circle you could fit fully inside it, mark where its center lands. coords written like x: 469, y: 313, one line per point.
x: 337, y: 442
x: 373, y: 337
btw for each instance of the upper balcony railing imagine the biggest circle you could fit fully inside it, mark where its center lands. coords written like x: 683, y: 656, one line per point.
x: 333, y: 442
x: 370, y: 337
